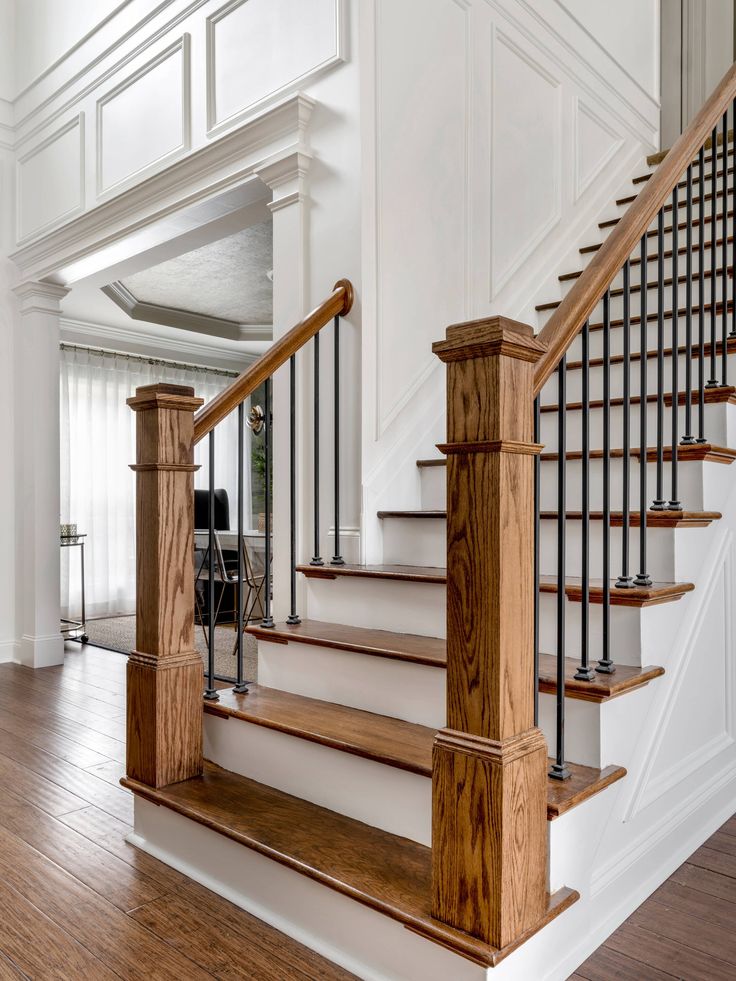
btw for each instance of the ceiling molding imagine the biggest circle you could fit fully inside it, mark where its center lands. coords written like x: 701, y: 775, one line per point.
x: 154, y: 313
x: 143, y: 342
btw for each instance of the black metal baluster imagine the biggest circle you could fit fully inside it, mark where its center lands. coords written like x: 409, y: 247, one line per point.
x: 732, y: 334
x: 210, y: 692
x: 674, y: 504
x: 241, y: 685
x: 337, y: 558
x: 293, y: 617
x: 701, y: 304
x: 585, y: 672
x: 537, y: 546
x: 605, y: 664
x: 659, y: 503
x: 724, y: 255
x: 316, y: 558
x: 642, y: 577
x: 688, y: 439
x: 713, y: 381
x: 558, y: 770
x: 267, y: 618
x: 625, y: 581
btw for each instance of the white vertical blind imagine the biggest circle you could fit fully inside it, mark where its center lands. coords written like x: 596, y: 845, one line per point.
x: 97, y: 485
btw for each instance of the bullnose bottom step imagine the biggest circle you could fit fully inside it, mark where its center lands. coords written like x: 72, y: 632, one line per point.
x: 386, y: 873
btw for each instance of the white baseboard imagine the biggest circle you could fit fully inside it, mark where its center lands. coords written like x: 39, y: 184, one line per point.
x: 42, y: 652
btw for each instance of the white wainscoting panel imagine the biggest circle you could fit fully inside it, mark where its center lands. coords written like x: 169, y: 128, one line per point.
x: 258, y: 48
x: 596, y: 143
x: 50, y: 180
x: 155, y: 102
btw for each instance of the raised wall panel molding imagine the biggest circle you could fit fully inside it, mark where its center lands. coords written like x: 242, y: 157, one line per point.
x: 586, y: 125
x: 531, y: 108
x: 220, y: 165
x: 158, y: 97
x: 56, y: 164
x: 155, y: 313
x: 651, y: 785
x: 287, y: 29
x: 128, y: 340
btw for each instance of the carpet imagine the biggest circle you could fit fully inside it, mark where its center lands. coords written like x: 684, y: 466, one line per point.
x: 118, y: 634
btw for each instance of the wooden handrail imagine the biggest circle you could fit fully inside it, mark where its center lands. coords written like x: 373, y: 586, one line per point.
x: 338, y: 303
x: 575, y: 308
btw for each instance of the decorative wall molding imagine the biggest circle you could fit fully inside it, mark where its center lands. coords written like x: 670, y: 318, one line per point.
x: 215, y: 122
x: 181, y: 146
x: 582, y: 181
x: 33, y: 158
x: 155, y: 313
x: 130, y: 340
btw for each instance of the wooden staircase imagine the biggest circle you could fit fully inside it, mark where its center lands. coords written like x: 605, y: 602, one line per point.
x: 346, y: 764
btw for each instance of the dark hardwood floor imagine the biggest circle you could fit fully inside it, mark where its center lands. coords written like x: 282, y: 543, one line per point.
x: 76, y: 900
x: 685, y: 930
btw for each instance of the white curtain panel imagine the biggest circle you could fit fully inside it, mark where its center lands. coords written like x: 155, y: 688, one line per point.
x: 97, y: 485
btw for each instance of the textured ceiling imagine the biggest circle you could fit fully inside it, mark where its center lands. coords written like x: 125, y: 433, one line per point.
x: 226, y: 279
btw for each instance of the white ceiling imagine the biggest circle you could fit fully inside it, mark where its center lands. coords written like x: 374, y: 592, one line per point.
x: 225, y: 279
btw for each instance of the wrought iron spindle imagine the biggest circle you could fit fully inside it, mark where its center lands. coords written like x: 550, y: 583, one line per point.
x: 659, y: 503
x: 241, y: 685
x: 688, y: 438
x: 724, y: 254
x: 337, y: 558
x: 674, y: 503
x: 293, y: 617
x: 732, y: 333
x: 537, y: 547
x: 316, y: 558
x: 267, y: 617
x: 713, y: 381
x: 210, y: 691
x: 605, y: 664
x: 642, y: 577
x: 701, y: 304
x: 585, y: 672
x: 558, y: 770
x: 625, y: 581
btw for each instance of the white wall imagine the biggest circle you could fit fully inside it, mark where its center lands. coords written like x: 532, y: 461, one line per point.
x: 493, y: 143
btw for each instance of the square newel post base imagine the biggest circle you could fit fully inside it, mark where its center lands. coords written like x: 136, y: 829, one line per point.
x: 164, y: 718
x: 489, y: 838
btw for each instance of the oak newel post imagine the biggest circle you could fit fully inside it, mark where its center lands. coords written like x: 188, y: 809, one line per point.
x: 164, y: 742
x: 489, y: 830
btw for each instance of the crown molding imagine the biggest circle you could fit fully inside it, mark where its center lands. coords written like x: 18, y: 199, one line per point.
x: 155, y: 313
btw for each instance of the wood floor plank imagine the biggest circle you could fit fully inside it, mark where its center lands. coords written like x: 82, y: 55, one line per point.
x: 110, y: 771
x: 44, y: 704
x: 58, y: 957
x: 729, y: 828
x: 90, y: 710
x: 109, y: 833
x: 213, y: 946
x: 704, y: 880
x: 79, y: 782
x: 664, y: 954
x: 610, y: 965
x: 10, y: 971
x: 99, y: 696
x: 701, y: 934
x: 125, y: 946
x: 52, y: 742
x: 694, y: 903
x: 37, y: 790
x: 716, y: 861
x: 721, y: 842
x: 107, y: 875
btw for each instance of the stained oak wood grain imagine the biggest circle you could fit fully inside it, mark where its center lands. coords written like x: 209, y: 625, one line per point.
x: 379, y: 870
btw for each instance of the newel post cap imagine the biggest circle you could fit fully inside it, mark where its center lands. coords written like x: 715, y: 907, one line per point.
x: 489, y: 336
x: 162, y: 396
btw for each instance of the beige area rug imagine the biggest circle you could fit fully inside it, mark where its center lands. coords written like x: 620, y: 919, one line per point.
x: 118, y: 634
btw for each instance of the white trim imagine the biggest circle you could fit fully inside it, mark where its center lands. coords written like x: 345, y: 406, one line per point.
x: 183, y: 45
x: 580, y: 185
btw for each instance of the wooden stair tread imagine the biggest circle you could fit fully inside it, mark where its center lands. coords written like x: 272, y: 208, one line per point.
x: 681, y: 225
x: 405, y: 745
x: 712, y: 396
x: 432, y: 651
x: 635, y: 288
x: 405, y: 573
x: 639, y: 596
x: 578, y: 788
x: 643, y: 178
x: 630, y: 198
x: 695, y: 451
x: 651, y: 354
x: 382, y: 871
x: 655, y: 519
x: 361, y: 640
x: 668, y: 314
x: 681, y: 250
x: 412, y: 514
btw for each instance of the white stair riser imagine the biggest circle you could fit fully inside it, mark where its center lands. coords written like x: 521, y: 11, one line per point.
x: 386, y: 686
x: 433, y: 483
x: 406, y: 607
x: 719, y: 425
x: 575, y: 379
x: 617, y: 337
x: 375, y: 793
x: 415, y: 541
